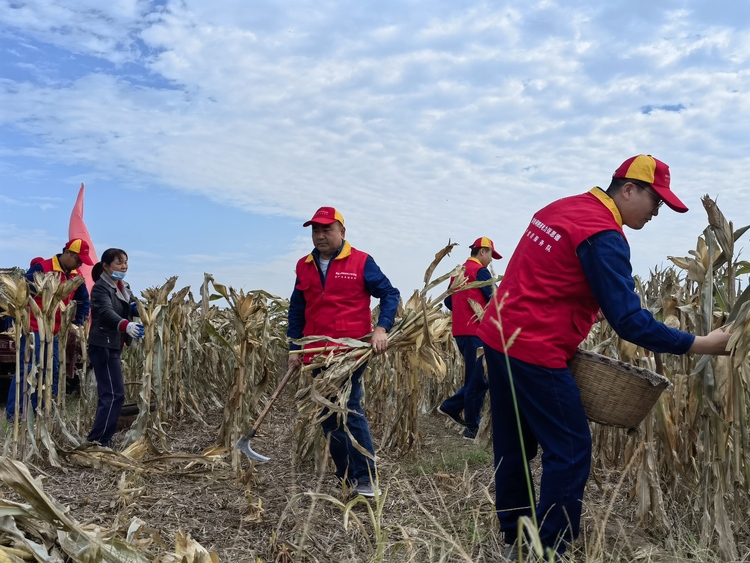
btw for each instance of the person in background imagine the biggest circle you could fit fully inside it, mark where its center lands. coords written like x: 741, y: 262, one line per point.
x: 66, y: 264
x: 469, y: 399
x: 331, y: 297
x: 113, y: 307
x: 572, y: 261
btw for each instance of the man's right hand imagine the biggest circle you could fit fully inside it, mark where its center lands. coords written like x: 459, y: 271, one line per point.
x: 714, y: 343
x: 295, y: 361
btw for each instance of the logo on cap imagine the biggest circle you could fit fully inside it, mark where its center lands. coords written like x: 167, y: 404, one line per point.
x: 325, y: 216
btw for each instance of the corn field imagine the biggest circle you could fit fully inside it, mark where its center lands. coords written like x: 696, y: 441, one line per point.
x: 225, y: 350
x: 693, y: 449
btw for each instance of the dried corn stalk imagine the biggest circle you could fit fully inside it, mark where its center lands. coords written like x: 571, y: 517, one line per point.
x: 698, y: 451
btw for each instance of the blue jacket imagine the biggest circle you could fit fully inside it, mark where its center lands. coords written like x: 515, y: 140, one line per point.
x: 605, y: 258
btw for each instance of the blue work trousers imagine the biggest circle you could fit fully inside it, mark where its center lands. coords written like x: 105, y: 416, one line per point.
x: 470, y: 398
x: 551, y: 417
x: 351, y: 463
x: 40, y: 359
x: 110, y: 387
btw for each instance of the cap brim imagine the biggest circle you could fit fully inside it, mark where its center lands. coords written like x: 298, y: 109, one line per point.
x: 319, y: 222
x: 496, y: 255
x: 672, y: 201
x: 86, y: 259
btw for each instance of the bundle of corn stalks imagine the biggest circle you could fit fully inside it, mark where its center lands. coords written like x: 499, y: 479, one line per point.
x: 42, y: 530
x: 416, y: 346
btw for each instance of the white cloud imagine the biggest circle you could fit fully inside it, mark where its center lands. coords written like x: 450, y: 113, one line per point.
x: 41, y: 203
x: 421, y: 128
x: 102, y: 29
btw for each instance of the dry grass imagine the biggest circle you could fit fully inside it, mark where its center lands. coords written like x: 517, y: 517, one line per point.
x: 676, y: 490
x: 436, y: 505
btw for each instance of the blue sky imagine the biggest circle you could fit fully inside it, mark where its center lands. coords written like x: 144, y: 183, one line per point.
x: 207, y: 132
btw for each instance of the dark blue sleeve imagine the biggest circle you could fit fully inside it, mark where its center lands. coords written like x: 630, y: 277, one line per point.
x: 30, y: 276
x: 296, y: 316
x: 449, y: 302
x: 83, y: 304
x: 380, y: 287
x: 483, y: 274
x: 605, y: 258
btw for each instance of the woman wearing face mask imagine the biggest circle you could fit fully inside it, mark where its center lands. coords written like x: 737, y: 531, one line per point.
x: 112, y: 309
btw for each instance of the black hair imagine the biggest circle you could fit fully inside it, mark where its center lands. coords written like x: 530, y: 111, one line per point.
x: 617, y: 183
x: 108, y: 256
x: 475, y: 250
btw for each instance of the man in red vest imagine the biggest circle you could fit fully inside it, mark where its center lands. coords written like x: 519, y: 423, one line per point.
x: 65, y: 264
x: 331, y: 298
x: 469, y: 399
x: 572, y: 261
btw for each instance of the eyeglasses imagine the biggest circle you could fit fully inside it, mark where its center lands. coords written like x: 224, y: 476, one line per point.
x: 659, y: 201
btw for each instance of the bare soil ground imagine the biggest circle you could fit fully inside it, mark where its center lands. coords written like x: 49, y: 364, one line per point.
x: 437, y: 502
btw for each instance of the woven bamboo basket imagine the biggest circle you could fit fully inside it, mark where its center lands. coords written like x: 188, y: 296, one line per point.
x: 613, y: 392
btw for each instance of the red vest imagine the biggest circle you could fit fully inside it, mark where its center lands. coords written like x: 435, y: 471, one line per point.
x: 463, y: 318
x: 544, y: 292
x: 343, y: 308
x: 52, y: 265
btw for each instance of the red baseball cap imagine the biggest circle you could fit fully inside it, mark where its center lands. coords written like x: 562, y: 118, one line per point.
x: 325, y: 216
x: 484, y: 242
x: 646, y: 168
x: 80, y: 247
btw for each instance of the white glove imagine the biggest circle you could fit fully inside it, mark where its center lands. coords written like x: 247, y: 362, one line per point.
x: 134, y: 330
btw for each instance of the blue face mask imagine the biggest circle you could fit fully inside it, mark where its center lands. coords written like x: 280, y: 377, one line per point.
x: 117, y: 275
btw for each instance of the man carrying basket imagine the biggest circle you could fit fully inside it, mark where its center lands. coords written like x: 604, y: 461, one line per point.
x: 572, y: 262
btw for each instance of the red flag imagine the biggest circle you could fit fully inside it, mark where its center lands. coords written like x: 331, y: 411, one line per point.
x: 77, y: 229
